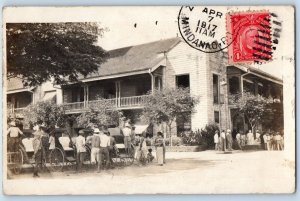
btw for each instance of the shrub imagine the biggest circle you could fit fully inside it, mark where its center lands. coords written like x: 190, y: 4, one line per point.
x: 204, y: 137
x: 177, y: 141
x: 208, y: 135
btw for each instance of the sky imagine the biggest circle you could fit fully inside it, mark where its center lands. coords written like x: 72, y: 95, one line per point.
x: 129, y: 26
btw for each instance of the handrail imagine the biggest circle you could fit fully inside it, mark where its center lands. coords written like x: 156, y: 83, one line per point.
x: 131, y: 101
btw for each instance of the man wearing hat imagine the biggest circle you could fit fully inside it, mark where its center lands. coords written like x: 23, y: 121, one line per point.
x: 126, y: 133
x: 37, y: 151
x: 13, y: 137
x: 80, y: 146
x: 95, y: 151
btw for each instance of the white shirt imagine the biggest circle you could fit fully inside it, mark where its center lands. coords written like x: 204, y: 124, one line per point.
x: 104, y: 140
x: 216, y: 138
x: 80, y: 142
x: 51, y: 142
x: 14, y: 132
x: 126, y: 131
x: 223, y: 135
x: 238, y: 136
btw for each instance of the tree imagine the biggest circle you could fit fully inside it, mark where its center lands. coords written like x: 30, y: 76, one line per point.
x: 37, y: 52
x: 167, y: 104
x: 273, y: 117
x: 102, y: 112
x: 45, y: 112
x: 254, y: 107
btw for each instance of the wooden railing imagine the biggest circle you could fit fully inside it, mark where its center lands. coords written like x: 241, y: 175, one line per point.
x: 132, y: 101
x: 74, y: 106
x: 123, y: 103
x: 19, y: 110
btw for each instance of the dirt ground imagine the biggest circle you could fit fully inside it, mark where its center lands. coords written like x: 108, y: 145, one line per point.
x: 184, y: 172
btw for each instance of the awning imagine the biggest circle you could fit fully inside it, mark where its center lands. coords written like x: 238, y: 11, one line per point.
x: 139, y: 129
x: 50, y: 95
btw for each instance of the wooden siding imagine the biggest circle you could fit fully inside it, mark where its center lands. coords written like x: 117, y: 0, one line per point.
x: 185, y: 60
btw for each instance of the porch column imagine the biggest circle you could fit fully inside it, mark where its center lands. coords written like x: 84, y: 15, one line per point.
x: 152, y: 82
x: 85, y: 95
x: 118, y: 93
x: 242, y: 84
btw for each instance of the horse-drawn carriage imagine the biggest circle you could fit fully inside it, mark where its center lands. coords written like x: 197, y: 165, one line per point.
x: 120, y: 156
x: 64, y: 153
x: 57, y: 156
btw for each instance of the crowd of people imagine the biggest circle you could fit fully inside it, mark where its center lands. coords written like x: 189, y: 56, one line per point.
x: 268, y: 140
x: 102, y: 145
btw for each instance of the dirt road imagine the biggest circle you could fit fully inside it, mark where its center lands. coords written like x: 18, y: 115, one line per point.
x: 185, y: 172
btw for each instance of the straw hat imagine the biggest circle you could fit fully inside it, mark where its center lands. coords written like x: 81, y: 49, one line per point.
x: 96, y: 130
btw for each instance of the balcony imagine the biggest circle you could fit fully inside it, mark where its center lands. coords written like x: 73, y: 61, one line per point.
x: 16, y: 112
x: 122, y: 103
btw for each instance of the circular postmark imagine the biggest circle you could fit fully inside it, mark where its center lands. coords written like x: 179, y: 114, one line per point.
x: 204, y: 28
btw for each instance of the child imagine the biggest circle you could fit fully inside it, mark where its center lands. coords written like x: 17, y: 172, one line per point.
x: 150, y: 157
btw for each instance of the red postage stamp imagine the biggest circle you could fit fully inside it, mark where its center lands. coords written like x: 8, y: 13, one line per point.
x: 251, y: 41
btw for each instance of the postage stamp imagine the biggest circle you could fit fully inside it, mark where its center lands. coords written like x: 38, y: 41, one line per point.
x: 252, y: 41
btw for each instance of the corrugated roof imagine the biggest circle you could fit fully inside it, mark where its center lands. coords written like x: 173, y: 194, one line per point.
x: 135, y: 58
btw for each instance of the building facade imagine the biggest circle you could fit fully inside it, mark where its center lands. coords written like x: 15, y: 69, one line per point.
x: 132, y: 72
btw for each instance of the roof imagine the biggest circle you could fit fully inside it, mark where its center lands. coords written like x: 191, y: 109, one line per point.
x: 258, y: 72
x: 135, y: 58
x: 16, y: 85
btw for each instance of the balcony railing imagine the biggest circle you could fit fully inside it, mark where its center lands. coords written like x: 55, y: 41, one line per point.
x: 120, y: 103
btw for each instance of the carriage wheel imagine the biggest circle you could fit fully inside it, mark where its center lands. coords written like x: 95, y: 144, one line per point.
x: 129, y: 160
x: 56, y: 160
x: 118, y: 162
x: 18, y: 162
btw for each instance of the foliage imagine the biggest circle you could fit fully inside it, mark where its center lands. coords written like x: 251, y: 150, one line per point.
x: 167, y: 104
x: 203, y: 137
x: 37, y: 52
x: 273, y: 117
x: 252, y: 106
x: 177, y: 141
x: 101, y: 113
x: 45, y: 112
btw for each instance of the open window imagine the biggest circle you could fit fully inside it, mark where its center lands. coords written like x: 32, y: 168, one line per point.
x: 216, y: 88
x: 183, y: 81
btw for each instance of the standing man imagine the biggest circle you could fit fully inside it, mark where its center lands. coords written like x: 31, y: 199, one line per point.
x: 95, y: 151
x: 223, y: 141
x: 37, y: 152
x: 229, y: 140
x: 250, y: 138
x: 216, y: 140
x: 80, y: 146
x: 112, y: 148
x: 104, y: 149
x: 265, y: 139
x: 257, y: 135
x: 127, y: 141
x: 238, y: 139
x: 14, y: 137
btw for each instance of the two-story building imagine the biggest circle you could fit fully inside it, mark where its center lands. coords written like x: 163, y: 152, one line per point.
x: 131, y: 72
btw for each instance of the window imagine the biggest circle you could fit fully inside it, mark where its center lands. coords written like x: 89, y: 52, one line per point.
x: 234, y: 85
x: 216, y: 88
x: 77, y: 94
x: 217, y: 117
x: 183, y: 81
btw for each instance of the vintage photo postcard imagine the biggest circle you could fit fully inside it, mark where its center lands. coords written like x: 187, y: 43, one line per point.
x: 149, y: 100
